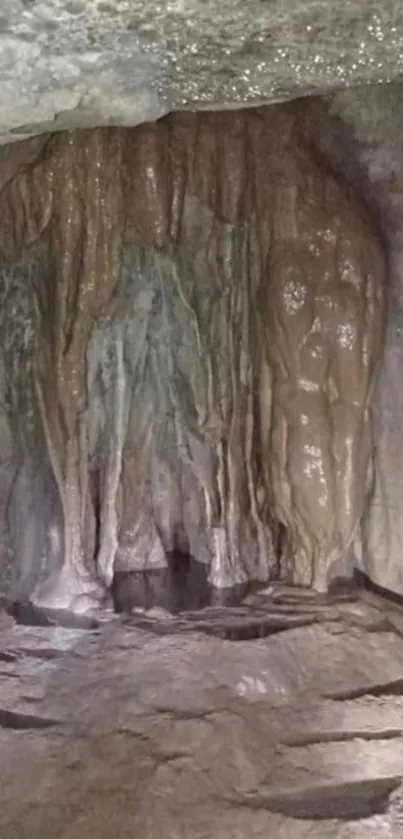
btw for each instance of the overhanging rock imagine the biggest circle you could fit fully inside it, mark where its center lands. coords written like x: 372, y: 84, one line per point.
x: 69, y: 63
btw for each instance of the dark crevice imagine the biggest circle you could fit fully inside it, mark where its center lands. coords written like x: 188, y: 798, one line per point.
x: 24, y: 722
x: 316, y: 738
x: 245, y: 630
x: 187, y: 713
x: 364, y: 583
x: 249, y: 631
x: 33, y: 700
x: 281, y: 609
x: 27, y: 614
x: 351, y: 800
x: 295, y: 596
x: 390, y: 688
x: 95, y: 492
x: 343, y: 587
x: 164, y: 758
x: 44, y: 653
x: 182, y: 585
x: 9, y: 657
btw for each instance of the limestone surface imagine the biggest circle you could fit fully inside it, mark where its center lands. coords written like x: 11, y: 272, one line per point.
x: 65, y: 63
x: 203, y: 309
x: 364, y: 140
x: 167, y: 728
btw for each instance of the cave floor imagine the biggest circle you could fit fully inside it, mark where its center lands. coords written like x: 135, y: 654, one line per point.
x: 151, y: 727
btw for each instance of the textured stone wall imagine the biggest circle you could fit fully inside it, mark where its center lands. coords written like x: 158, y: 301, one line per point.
x: 360, y: 132
x: 86, y: 63
x: 200, y: 304
x: 368, y: 123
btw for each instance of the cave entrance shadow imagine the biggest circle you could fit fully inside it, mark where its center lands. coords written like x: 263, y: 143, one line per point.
x: 182, y: 586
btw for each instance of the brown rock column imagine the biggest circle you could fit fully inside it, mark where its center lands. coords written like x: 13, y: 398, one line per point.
x: 75, y: 194
x: 325, y: 287
x: 207, y: 311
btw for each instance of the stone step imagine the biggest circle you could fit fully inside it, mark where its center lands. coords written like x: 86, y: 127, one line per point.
x: 344, y: 780
x: 365, y: 719
x: 336, y: 763
x: 347, y: 800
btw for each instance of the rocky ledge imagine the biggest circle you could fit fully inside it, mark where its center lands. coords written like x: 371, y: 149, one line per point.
x: 159, y: 726
x: 69, y: 63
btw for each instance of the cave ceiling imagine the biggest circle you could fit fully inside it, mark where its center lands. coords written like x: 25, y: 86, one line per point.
x: 67, y: 63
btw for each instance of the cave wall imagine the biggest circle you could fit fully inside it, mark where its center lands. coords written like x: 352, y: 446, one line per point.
x: 200, y: 310
x: 361, y: 133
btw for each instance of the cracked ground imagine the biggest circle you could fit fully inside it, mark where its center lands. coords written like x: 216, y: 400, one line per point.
x: 280, y: 718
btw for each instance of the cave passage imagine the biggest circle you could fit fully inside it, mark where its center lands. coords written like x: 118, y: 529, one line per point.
x: 192, y: 322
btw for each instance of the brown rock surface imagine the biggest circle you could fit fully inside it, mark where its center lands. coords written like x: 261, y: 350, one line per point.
x: 206, y: 315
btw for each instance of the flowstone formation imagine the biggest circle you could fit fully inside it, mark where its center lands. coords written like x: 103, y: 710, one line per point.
x: 192, y: 324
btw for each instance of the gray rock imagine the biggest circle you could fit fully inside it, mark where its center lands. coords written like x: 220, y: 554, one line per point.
x: 65, y: 63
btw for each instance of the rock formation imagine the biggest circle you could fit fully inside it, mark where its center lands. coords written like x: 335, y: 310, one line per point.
x: 82, y: 63
x: 192, y: 327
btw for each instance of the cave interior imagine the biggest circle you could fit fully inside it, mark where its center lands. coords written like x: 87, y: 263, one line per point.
x: 194, y: 404
x: 201, y: 442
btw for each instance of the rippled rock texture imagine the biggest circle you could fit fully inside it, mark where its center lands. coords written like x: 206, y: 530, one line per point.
x: 192, y: 325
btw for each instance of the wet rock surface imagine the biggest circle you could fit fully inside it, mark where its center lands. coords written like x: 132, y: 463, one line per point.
x: 363, y: 140
x: 87, y: 62
x: 179, y: 733
x: 198, y: 304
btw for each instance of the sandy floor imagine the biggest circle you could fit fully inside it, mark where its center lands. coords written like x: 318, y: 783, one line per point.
x: 152, y: 727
